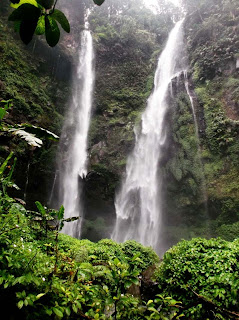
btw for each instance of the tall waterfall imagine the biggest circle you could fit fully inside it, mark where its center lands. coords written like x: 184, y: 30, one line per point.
x: 75, y: 166
x: 138, y: 203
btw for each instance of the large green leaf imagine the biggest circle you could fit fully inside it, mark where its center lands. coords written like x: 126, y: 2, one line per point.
x: 20, y: 304
x: 26, y: 11
x: 40, y: 208
x: 60, y: 214
x: 30, y: 138
x: 40, y: 132
x: 57, y: 312
x: 40, y: 295
x: 40, y: 29
x: 2, y: 113
x: 61, y: 18
x: 52, y: 31
x: 99, y: 2
x: 28, y: 14
x: 15, y: 1
x: 4, y: 165
x: 27, y: 30
x: 21, y: 2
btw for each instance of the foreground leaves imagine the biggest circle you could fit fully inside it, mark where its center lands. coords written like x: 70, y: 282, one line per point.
x: 28, y: 16
x: 204, y: 275
x: 34, y: 17
x: 52, y: 31
x: 39, y: 17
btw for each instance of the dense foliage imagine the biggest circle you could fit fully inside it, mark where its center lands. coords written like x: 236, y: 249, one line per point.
x: 39, y: 17
x: 204, y: 275
x: 47, y: 275
x: 36, y: 81
x: 201, y: 168
x: 68, y: 278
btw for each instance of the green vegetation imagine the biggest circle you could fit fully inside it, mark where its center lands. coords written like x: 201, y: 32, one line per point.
x: 47, y: 275
x: 202, y: 176
x: 44, y: 273
x: 39, y: 90
x: 203, y: 274
x: 128, y: 39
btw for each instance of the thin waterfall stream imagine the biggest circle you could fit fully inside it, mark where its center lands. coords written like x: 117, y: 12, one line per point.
x: 74, y: 166
x: 199, y: 151
x: 138, y: 203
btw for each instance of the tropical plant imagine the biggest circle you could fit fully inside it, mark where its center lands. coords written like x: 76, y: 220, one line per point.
x: 33, y: 135
x: 41, y: 273
x: 203, y: 274
x: 39, y: 17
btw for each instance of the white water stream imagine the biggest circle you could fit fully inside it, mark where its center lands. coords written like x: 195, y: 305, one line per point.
x: 199, y: 151
x: 138, y: 203
x: 75, y: 166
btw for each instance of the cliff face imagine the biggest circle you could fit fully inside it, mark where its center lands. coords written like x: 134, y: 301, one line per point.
x: 200, y: 172
x: 204, y: 186
x: 37, y: 79
x: 127, y: 46
x: 216, y: 88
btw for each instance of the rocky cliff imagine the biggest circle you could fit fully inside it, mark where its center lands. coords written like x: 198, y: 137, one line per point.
x: 200, y: 168
x: 37, y: 79
x: 200, y: 164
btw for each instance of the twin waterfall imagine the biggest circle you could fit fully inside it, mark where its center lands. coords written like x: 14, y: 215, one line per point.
x: 75, y: 166
x: 138, y: 203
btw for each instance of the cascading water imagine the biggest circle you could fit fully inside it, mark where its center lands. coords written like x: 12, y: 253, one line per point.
x: 74, y: 167
x: 199, y: 152
x: 138, y: 203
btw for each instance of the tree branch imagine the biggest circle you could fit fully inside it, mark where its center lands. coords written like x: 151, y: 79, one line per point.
x: 233, y: 314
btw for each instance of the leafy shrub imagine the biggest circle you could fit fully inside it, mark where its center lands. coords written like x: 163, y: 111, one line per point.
x: 203, y: 274
x: 147, y: 257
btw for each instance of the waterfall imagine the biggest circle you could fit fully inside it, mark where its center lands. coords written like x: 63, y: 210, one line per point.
x: 199, y: 151
x: 138, y: 203
x: 27, y: 180
x: 74, y: 166
x: 53, y: 188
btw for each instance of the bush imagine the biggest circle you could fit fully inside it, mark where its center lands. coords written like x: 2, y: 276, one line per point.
x: 147, y: 257
x: 203, y: 274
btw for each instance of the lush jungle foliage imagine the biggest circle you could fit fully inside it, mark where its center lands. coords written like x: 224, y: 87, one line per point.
x: 39, y: 17
x: 204, y: 275
x: 47, y: 275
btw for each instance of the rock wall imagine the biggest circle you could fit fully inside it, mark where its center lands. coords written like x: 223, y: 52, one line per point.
x: 37, y: 79
x: 201, y: 187
x: 127, y: 46
x: 128, y: 40
x: 212, y: 41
